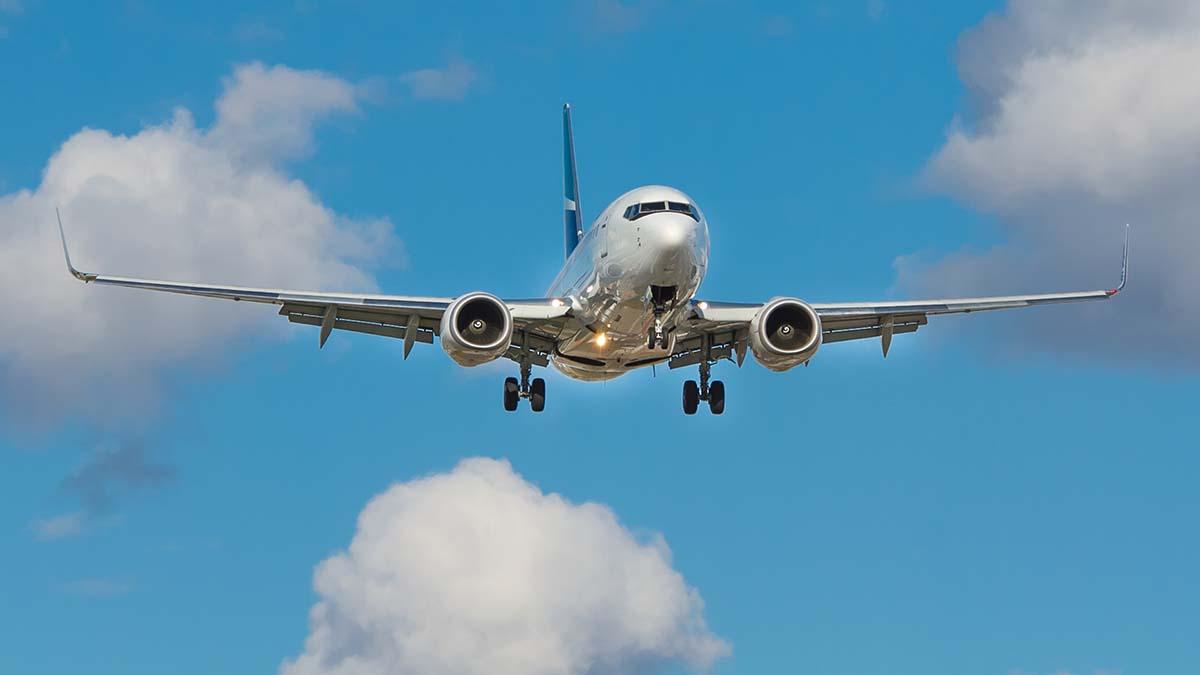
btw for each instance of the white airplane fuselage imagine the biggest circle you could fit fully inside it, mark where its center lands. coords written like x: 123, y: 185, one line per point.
x: 624, y: 277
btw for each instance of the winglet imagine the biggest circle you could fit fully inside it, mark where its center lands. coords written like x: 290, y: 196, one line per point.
x: 82, y: 276
x: 1124, y: 265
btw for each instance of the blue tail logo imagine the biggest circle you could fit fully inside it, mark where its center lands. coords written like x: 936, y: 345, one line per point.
x: 572, y: 220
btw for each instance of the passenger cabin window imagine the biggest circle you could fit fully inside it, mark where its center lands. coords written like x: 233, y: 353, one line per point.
x: 646, y: 208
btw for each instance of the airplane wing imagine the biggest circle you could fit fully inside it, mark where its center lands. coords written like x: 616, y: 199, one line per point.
x: 406, y: 317
x: 722, y: 328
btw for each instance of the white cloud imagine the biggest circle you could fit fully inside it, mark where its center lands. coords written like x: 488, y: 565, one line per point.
x: 268, y: 114
x: 1084, y: 120
x: 450, y: 83
x: 478, y: 572
x: 171, y: 201
x: 60, y: 527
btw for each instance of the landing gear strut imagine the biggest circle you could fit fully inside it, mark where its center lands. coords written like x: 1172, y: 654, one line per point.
x: 662, y: 298
x: 713, y: 392
x: 534, y: 390
x: 658, y: 336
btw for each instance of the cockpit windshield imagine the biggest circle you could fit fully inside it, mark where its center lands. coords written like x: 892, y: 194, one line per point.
x: 646, y: 208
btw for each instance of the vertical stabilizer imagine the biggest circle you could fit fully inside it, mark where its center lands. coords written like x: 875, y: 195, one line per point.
x: 572, y: 215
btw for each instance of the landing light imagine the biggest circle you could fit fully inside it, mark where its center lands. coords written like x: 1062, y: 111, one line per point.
x: 601, y: 340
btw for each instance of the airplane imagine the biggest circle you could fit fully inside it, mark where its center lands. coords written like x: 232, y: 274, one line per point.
x: 626, y: 299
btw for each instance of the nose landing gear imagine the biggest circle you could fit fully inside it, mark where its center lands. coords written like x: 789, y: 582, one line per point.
x: 534, y: 390
x: 658, y: 337
x: 662, y: 298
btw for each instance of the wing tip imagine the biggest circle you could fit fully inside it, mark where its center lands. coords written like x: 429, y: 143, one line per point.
x: 82, y: 276
x: 1124, y: 265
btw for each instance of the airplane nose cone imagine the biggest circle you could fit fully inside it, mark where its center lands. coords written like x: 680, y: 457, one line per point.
x: 668, y: 232
x: 670, y: 239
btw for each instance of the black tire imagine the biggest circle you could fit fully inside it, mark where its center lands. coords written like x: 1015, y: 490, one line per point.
x: 537, y: 395
x: 651, y: 342
x: 512, y: 393
x: 716, y: 397
x: 691, y: 397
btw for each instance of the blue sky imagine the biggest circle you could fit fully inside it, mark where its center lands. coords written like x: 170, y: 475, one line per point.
x: 964, y: 507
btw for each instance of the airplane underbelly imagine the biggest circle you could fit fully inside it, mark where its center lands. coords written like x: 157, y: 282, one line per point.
x: 582, y: 358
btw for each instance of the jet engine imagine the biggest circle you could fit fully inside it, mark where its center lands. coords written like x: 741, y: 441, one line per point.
x: 476, y: 328
x: 785, y: 333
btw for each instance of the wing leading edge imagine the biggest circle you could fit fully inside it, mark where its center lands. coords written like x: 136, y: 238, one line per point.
x: 883, y: 319
x: 407, y: 317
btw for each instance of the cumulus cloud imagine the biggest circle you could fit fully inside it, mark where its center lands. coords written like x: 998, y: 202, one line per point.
x: 268, y: 114
x: 450, y: 82
x: 1082, y: 118
x: 170, y: 201
x: 477, y: 571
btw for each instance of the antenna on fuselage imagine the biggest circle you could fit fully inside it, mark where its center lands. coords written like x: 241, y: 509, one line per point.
x: 572, y: 214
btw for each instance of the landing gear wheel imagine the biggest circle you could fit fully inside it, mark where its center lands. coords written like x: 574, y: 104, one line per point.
x: 716, y: 397
x: 537, y: 395
x: 652, y: 342
x: 512, y: 393
x: 691, y: 397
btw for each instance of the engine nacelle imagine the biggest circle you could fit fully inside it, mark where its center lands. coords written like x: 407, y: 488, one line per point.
x: 476, y: 328
x: 785, y: 333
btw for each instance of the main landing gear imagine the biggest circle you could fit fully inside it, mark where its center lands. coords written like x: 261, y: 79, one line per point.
x: 515, y: 390
x: 714, y: 393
